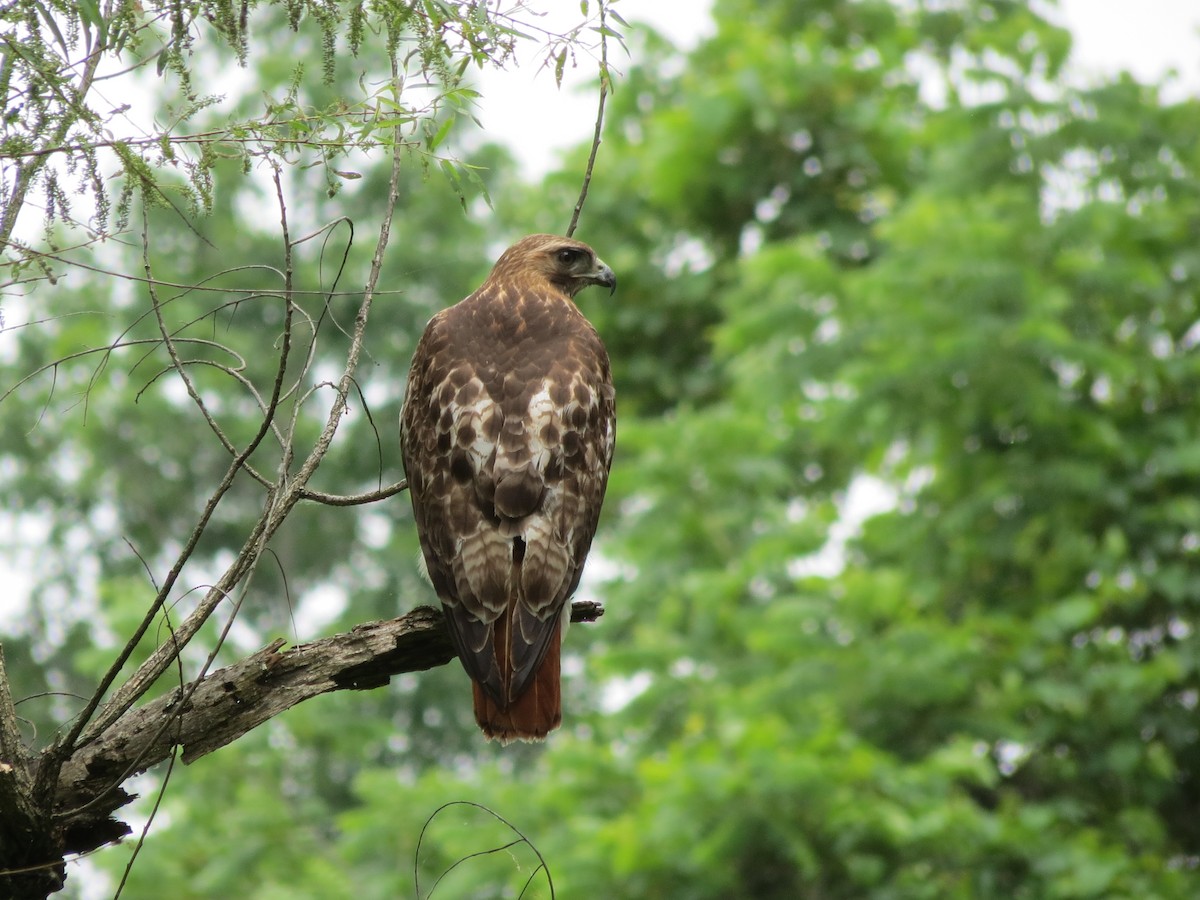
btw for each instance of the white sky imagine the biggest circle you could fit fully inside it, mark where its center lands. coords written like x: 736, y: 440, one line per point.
x: 525, y: 101
x: 1148, y: 37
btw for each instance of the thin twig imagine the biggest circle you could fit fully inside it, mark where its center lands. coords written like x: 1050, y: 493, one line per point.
x: 181, y: 371
x: 521, y: 839
x: 199, y: 287
x: 177, y: 721
x: 354, y: 499
x: 604, y: 84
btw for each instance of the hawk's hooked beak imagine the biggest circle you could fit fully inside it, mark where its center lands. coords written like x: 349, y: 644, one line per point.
x: 604, y: 275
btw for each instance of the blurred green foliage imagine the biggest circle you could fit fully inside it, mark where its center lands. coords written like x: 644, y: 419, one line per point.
x: 866, y: 249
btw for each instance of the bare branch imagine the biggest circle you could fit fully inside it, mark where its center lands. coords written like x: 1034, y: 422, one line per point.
x: 604, y: 85
x: 218, y: 709
x: 177, y: 363
x: 354, y: 499
x: 23, y: 823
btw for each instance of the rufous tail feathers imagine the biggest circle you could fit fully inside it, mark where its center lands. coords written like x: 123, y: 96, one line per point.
x: 535, y: 713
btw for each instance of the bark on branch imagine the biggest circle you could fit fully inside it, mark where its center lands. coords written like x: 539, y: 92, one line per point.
x: 225, y: 705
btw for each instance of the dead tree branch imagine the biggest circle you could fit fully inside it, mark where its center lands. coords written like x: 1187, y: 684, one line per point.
x: 27, y: 847
x: 206, y: 715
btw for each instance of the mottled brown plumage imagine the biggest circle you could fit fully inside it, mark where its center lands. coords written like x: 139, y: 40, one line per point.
x: 507, y: 435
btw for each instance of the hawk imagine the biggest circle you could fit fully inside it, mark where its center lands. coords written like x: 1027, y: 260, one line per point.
x: 507, y: 434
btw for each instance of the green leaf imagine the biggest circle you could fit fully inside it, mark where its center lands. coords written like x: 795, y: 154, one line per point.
x: 442, y: 132
x: 560, y: 63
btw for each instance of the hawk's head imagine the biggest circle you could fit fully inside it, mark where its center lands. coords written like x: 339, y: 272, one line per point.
x: 567, y: 264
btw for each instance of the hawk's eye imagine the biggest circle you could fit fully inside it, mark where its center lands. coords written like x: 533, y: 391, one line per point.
x: 569, y: 255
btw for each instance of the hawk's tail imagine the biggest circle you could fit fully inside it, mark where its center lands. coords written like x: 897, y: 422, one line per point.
x: 535, y: 713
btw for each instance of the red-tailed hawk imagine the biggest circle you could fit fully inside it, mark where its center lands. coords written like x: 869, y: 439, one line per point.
x: 507, y: 434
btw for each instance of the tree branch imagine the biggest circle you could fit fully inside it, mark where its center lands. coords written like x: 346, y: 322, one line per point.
x: 232, y: 701
x: 604, y: 86
x: 24, y: 832
x: 354, y: 499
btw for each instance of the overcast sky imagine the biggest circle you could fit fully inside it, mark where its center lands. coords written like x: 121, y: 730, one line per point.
x: 1148, y: 37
